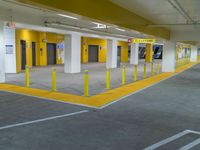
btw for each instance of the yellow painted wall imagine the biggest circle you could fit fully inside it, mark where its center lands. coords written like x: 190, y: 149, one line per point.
x: 149, y: 53
x: 124, y: 50
x: 34, y: 36
x: 86, y: 41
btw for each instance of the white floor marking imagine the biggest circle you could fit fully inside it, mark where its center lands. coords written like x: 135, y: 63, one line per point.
x: 170, y: 139
x: 41, y: 120
x: 191, y: 145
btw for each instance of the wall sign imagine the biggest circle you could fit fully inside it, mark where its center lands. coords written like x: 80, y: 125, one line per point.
x: 9, y: 49
x: 143, y: 40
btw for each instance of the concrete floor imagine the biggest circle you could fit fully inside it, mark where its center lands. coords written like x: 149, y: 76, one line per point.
x: 133, y: 123
x: 40, y: 77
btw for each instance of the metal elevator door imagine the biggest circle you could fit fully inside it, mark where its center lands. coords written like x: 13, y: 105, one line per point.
x: 51, y: 53
x: 33, y: 53
x: 93, y: 52
x: 23, y: 54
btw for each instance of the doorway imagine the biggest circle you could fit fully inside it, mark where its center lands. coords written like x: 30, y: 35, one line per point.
x: 33, y: 54
x: 23, y: 54
x: 93, y: 52
x: 51, y: 53
x: 119, y: 48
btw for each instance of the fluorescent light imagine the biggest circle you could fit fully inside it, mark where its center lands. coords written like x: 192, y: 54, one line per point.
x: 66, y: 16
x: 121, y: 29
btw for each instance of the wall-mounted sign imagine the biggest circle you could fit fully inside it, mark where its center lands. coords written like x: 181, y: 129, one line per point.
x: 143, y: 40
x: 9, y: 49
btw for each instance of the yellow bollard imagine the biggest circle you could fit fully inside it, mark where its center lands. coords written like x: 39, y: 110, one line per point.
x: 145, y: 71
x: 107, y: 79
x: 158, y: 68
x: 152, y: 69
x: 123, y: 75
x: 27, y: 80
x: 135, y: 72
x: 86, y: 83
x: 54, y: 79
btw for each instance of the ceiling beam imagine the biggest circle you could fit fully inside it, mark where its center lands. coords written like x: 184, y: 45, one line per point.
x: 105, y: 11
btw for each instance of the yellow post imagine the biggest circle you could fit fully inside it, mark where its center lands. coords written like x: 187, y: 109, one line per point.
x: 123, y: 75
x: 27, y: 80
x: 152, y: 69
x: 149, y: 53
x: 53, y: 79
x: 86, y: 83
x: 158, y: 68
x: 107, y: 79
x: 135, y: 72
x: 145, y: 71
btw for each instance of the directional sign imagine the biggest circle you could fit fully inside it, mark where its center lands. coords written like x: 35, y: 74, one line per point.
x: 143, y: 40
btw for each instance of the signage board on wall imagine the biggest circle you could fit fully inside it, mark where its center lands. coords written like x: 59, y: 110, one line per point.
x: 143, y: 40
x: 9, y: 49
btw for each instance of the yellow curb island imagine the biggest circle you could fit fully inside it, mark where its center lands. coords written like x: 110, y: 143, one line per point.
x: 98, y: 100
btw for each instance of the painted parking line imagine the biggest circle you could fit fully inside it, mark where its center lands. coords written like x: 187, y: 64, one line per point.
x: 42, y: 120
x: 173, y: 138
x: 191, y: 145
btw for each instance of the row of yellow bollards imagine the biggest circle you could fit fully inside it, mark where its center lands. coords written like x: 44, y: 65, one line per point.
x: 108, y: 79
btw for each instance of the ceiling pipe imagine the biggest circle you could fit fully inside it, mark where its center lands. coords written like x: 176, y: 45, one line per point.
x: 181, y: 10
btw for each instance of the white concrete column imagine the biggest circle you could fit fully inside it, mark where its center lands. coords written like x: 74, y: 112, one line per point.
x: 193, y: 56
x: 111, y: 54
x: 169, y: 56
x: 134, y: 53
x: 2, y: 54
x: 10, y: 54
x: 72, y: 60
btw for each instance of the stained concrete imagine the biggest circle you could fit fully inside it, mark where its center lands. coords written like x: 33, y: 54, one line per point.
x: 40, y: 77
x: 133, y: 123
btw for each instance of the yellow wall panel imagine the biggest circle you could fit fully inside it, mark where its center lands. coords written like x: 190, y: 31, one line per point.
x: 41, y: 46
x: 124, y: 51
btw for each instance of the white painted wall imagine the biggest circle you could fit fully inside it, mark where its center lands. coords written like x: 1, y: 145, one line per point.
x: 72, y: 63
x: 10, y: 56
x: 194, y: 52
x: 169, y: 55
x: 111, y: 54
x: 134, y: 53
x: 2, y: 54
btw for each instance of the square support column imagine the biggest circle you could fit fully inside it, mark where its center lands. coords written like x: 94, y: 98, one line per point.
x: 149, y: 53
x: 194, y: 52
x: 72, y: 61
x: 134, y: 53
x: 2, y: 54
x: 111, y: 54
x: 169, y: 57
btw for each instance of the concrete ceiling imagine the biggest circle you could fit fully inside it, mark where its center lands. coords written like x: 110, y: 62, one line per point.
x: 162, y: 12
x: 28, y: 14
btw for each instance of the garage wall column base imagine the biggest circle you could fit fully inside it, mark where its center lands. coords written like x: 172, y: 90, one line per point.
x: 168, y: 61
x: 72, y: 62
x: 134, y: 53
x: 194, y: 52
x: 2, y: 54
x: 111, y: 56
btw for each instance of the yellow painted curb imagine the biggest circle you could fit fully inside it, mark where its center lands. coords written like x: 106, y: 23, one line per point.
x: 98, y: 100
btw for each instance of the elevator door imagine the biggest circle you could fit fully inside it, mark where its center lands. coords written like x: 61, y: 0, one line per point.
x: 51, y: 53
x: 119, y: 48
x: 93, y: 52
x: 23, y: 54
x: 33, y: 53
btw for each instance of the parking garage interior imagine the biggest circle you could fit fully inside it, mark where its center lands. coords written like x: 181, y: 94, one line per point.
x: 75, y: 77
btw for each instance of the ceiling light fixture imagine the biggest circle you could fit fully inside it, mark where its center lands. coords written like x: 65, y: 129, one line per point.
x: 66, y: 16
x: 120, y: 29
x: 99, y: 25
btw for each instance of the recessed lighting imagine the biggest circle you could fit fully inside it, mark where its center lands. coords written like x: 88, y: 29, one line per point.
x: 66, y: 16
x: 99, y: 25
x: 121, y: 29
